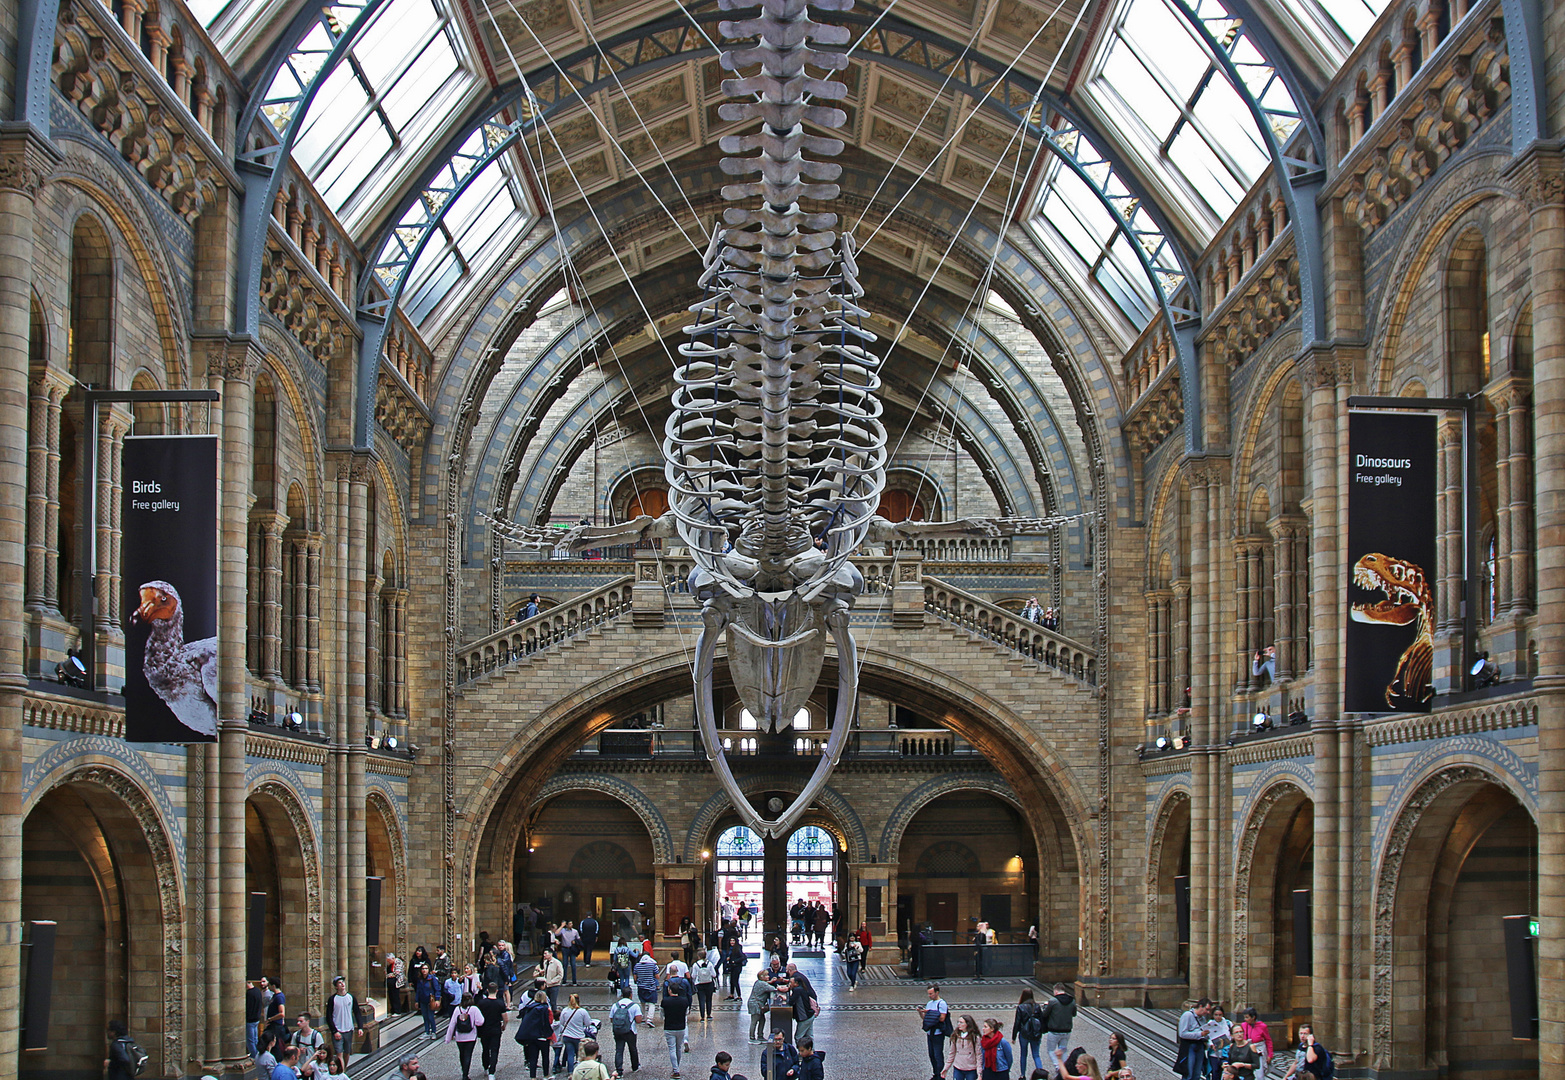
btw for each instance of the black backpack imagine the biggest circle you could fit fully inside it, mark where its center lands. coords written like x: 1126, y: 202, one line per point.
x: 464, y: 1022
x: 1032, y: 1025
x: 135, y: 1056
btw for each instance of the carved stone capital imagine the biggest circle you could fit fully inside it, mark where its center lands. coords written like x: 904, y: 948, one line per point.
x: 1538, y: 175
x: 27, y: 158
x: 229, y: 358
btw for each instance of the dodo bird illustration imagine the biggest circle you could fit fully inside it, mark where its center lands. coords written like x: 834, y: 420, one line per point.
x: 182, y: 673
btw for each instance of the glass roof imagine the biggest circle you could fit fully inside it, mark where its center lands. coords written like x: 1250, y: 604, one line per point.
x: 382, y: 109
x: 1183, y: 119
x: 1152, y: 90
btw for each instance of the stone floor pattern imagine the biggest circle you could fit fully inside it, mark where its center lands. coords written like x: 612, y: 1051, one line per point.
x: 872, y: 1032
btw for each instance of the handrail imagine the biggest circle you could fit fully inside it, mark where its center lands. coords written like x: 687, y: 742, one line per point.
x: 544, y: 630
x: 1009, y: 630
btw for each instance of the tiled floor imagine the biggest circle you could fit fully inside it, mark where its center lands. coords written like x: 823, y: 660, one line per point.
x: 872, y: 1032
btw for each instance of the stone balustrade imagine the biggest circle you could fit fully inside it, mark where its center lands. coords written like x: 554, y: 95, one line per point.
x: 561, y: 623
x: 1009, y: 631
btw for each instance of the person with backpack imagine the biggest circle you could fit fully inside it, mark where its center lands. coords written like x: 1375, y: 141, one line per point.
x: 466, y: 1021
x: 1059, y: 1017
x: 492, y: 1006
x: 705, y: 978
x: 645, y: 973
x: 937, y: 1029
x: 1311, y: 1057
x: 801, y: 996
x: 126, y: 1059
x: 781, y: 1054
x: 533, y: 1023
x: 624, y: 1015
x: 997, y: 1052
x: 1027, y: 1030
x: 852, y: 957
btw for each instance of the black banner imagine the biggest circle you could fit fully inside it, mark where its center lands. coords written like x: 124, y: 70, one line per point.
x: 168, y: 510
x: 1391, y: 563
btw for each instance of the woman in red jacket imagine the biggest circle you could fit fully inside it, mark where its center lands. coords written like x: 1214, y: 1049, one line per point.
x: 865, y: 939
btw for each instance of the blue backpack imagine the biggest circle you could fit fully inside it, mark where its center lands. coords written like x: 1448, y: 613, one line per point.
x: 1002, y: 1057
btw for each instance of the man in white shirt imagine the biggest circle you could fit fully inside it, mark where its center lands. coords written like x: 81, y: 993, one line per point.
x: 624, y: 1015
x: 341, y: 1018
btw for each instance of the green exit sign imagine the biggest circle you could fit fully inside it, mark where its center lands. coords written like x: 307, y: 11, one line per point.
x: 1532, y: 927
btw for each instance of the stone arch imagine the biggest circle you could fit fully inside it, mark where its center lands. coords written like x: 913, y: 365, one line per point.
x: 283, y: 364
x: 118, y: 797
x: 83, y: 169
x: 1052, y: 799
x: 382, y: 807
x: 1418, y: 850
x: 840, y: 813
x: 1465, y: 310
x: 1160, y: 884
x: 928, y: 792
x: 1269, y: 813
x: 279, y: 806
x: 632, y: 796
x: 1468, y: 183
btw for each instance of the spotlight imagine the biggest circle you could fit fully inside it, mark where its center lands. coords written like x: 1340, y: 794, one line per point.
x: 1261, y: 721
x: 391, y: 742
x: 1485, y: 672
x: 71, y: 671
x: 706, y: 854
x: 1298, y: 716
x: 1163, y: 743
x: 293, y: 721
x: 1179, y: 742
x: 258, y: 715
x: 372, y: 741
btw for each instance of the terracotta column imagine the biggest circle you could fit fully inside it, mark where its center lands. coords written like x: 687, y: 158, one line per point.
x: 26, y: 158
x: 232, y: 368
x: 355, y: 900
x: 1201, y: 808
x: 1540, y: 175
x: 1327, y: 426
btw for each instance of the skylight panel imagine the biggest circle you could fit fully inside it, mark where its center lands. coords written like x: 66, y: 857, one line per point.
x: 1353, y: 17
x: 422, y: 83
x: 1129, y: 78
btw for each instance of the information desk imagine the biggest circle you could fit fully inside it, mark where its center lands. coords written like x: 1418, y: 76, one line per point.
x: 975, y: 961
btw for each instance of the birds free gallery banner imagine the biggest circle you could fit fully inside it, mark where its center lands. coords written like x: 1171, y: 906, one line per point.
x: 169, y: 566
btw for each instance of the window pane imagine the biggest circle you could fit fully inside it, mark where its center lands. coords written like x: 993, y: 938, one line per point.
x: 1208, y: 175
x: 1164, y: 39
x: 340, y: 103
x: 421, y: 83
x: 1226, y: 117
x: 361, y: 156
x: 401, y: 27
x: 1355, y: 17
x: 1129, y: 78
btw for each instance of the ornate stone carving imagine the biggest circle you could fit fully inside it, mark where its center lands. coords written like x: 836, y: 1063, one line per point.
x: 27, y: 158
x: 1538, y: 177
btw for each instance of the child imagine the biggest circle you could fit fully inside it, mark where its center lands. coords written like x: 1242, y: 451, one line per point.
x: 720, y: 1069
x: 588, y: 1067
x: 812, y: 1066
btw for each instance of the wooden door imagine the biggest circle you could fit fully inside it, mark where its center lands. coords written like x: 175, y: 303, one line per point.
x: 942, y: 910
x: 679, y: 903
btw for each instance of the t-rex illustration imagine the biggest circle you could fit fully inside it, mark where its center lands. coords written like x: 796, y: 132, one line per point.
x: 1408, y: 600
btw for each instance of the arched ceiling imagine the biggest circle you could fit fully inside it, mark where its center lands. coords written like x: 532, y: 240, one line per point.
x: 989, y: 148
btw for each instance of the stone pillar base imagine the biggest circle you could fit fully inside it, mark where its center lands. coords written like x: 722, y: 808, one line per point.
x: 646, y: 595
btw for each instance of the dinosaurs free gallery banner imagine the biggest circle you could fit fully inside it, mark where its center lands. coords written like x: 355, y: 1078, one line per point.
x: 169, y: 566
x: 1391, y: 562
